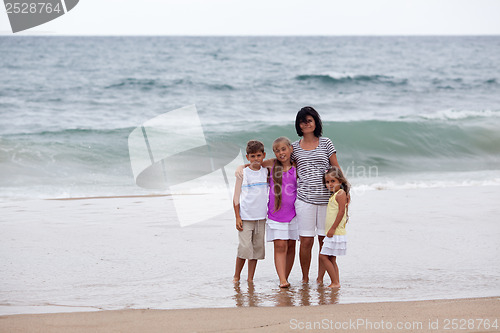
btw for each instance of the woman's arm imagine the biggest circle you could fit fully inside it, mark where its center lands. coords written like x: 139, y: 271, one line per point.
x: 341, y: 199
x: 333, y: 160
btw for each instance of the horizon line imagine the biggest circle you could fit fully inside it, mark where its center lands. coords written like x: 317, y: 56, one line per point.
x: 53, y: 34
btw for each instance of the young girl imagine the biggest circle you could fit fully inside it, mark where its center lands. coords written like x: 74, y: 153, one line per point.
x: 281, y: 226
x: 336, y: 218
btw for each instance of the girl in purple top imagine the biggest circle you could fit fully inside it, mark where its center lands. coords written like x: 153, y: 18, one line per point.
x: 281, y: 226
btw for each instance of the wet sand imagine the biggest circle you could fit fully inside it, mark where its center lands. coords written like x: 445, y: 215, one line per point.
x: 130, y: 253
x: 466, y: 315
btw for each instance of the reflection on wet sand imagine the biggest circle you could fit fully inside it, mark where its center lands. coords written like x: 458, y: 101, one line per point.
x: 246, y: 298
x: 301, y: 295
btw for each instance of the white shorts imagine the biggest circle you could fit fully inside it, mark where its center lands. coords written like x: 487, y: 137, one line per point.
x: 311, y: 218
x: 282, y: 230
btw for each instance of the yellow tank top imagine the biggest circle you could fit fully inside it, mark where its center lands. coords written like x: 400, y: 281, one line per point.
x: 331, y: 214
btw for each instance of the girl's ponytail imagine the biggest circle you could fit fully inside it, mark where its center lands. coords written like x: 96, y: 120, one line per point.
x: 278, y: 175
x: 278, y: 184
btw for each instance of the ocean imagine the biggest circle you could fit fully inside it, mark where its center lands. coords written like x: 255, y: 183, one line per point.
x: 402, y: 112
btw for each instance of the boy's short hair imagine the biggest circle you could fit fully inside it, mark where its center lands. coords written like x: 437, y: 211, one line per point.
x: 254, y: 146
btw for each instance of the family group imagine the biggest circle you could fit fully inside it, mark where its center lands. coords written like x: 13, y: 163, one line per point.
x: 298, y: 195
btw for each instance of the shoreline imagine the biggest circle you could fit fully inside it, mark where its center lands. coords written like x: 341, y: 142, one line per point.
x: 472, y: 314
x: 96, y: 254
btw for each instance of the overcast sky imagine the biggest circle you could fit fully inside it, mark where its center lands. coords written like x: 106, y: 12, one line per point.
x: 274, y: 17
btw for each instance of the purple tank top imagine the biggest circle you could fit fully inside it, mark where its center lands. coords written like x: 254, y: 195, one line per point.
x: 289, y: 193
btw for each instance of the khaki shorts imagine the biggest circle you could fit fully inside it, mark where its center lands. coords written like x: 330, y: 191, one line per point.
x: 252, y: 240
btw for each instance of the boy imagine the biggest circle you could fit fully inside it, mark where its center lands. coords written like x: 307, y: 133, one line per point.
x: 250, y: 209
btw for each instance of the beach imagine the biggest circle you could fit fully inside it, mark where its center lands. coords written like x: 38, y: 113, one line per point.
x: 125, y: 253
x: 95, y: 232
x: 464, y: 315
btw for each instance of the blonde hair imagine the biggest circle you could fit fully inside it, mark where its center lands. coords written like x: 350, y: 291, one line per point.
x: 278, y: 174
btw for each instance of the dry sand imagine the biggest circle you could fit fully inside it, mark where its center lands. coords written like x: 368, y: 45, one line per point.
x: 464, y: 315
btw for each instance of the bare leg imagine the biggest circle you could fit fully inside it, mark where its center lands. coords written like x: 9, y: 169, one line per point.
x: 306, y: 244
x: 237, y: 271
x: 252, y: 263
x: 336, y: 284
x: 290, y: 256
x: 330, y: 263
x: 280, y: 249
x: 321, y: 267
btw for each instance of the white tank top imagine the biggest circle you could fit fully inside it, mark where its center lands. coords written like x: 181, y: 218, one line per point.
x: 254, y: 194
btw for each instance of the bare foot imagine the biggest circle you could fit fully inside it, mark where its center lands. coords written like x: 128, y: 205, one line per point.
x: 319, y: 281
x: 284, y: 285
x: 236, y: 279
x: 250, y: 280
x: 336, y: 285
x: 305, y: 280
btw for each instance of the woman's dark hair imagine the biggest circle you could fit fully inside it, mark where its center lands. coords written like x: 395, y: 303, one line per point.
x: 301, y: 118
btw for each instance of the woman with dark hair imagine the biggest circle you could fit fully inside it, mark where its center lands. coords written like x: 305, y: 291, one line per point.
x: 314, y: 155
